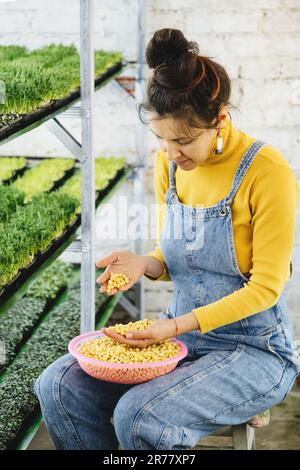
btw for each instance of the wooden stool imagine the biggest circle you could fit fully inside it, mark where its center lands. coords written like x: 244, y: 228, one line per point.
x: 237, y: 437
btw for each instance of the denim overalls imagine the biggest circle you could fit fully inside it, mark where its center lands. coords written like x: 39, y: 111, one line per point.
x: 198, y: 248
x: 230, y: 374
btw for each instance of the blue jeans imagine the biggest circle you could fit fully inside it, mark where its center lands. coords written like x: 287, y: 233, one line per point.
x: 204, y: 393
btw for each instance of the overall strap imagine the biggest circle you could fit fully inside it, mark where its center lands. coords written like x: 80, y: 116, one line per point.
x: 243, y: 167
x: 172, y: 170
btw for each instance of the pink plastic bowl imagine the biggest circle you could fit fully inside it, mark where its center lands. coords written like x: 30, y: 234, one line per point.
x: 123, y: 373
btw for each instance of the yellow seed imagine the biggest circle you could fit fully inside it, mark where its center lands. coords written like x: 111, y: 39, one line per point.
x: 116, y: 280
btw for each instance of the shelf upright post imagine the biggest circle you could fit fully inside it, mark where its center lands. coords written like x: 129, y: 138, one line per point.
x: 139, y: 182
x: 88, y: 165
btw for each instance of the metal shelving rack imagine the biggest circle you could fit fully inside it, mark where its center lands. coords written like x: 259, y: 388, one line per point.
x: 84, y: 152
x: 138, y: 310
x: 88, y: 166
x: 88, y: 212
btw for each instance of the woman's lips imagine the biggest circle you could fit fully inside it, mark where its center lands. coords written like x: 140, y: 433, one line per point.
x: 180, y: 162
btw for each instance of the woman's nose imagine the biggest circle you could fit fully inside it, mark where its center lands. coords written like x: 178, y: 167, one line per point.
x: 172, y: 153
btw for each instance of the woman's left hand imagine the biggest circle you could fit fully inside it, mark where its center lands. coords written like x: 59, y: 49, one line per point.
x: 160, y: 330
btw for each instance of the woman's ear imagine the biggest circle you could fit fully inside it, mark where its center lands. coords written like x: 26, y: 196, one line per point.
x: 223, y: 114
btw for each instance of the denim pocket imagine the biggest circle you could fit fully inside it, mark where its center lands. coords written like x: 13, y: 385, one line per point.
x: 262, y: 323
x: 271, y: 330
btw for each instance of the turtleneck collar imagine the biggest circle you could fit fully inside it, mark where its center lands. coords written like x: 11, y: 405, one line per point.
x: 232, y: 139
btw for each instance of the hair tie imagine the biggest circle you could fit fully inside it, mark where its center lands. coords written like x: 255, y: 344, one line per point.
x: 196, y: 81
x: 156, y: 69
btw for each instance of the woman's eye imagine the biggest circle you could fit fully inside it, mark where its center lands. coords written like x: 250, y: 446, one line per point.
x: 185, y: 143
x: 180, y: 143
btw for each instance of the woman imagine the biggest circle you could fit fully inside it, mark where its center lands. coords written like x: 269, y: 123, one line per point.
x: 227, y: 228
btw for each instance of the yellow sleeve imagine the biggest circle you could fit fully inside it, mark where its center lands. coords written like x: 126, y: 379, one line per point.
x: 161, y: 184
x: 273, y: 203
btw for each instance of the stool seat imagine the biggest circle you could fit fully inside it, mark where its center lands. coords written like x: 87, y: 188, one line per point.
x: 237, y: 437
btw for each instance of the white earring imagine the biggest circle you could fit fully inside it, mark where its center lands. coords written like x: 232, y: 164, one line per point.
x: 219, y: 147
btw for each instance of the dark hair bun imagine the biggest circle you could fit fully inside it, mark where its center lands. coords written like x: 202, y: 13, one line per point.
x: 184, y: 83
x: 168, y: 46
x: 173, y: 58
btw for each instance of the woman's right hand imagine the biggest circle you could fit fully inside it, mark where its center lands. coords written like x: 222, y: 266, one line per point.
x: 124, y: 262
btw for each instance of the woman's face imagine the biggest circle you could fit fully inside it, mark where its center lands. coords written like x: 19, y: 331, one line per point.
x: 187, y: 150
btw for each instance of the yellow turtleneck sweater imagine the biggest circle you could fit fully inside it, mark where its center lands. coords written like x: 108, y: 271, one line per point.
x: 263, y: 213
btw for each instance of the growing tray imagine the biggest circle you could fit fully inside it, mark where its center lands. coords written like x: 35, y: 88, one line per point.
x: 34, y: 415
x: 102, y: 193
x: 54, y: 107
x: 26, y: 276
x: 9, y: 294
x: 16, y: 175
x: 56, y: 184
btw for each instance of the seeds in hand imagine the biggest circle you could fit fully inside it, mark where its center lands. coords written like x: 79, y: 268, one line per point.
x: 116, y: 281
